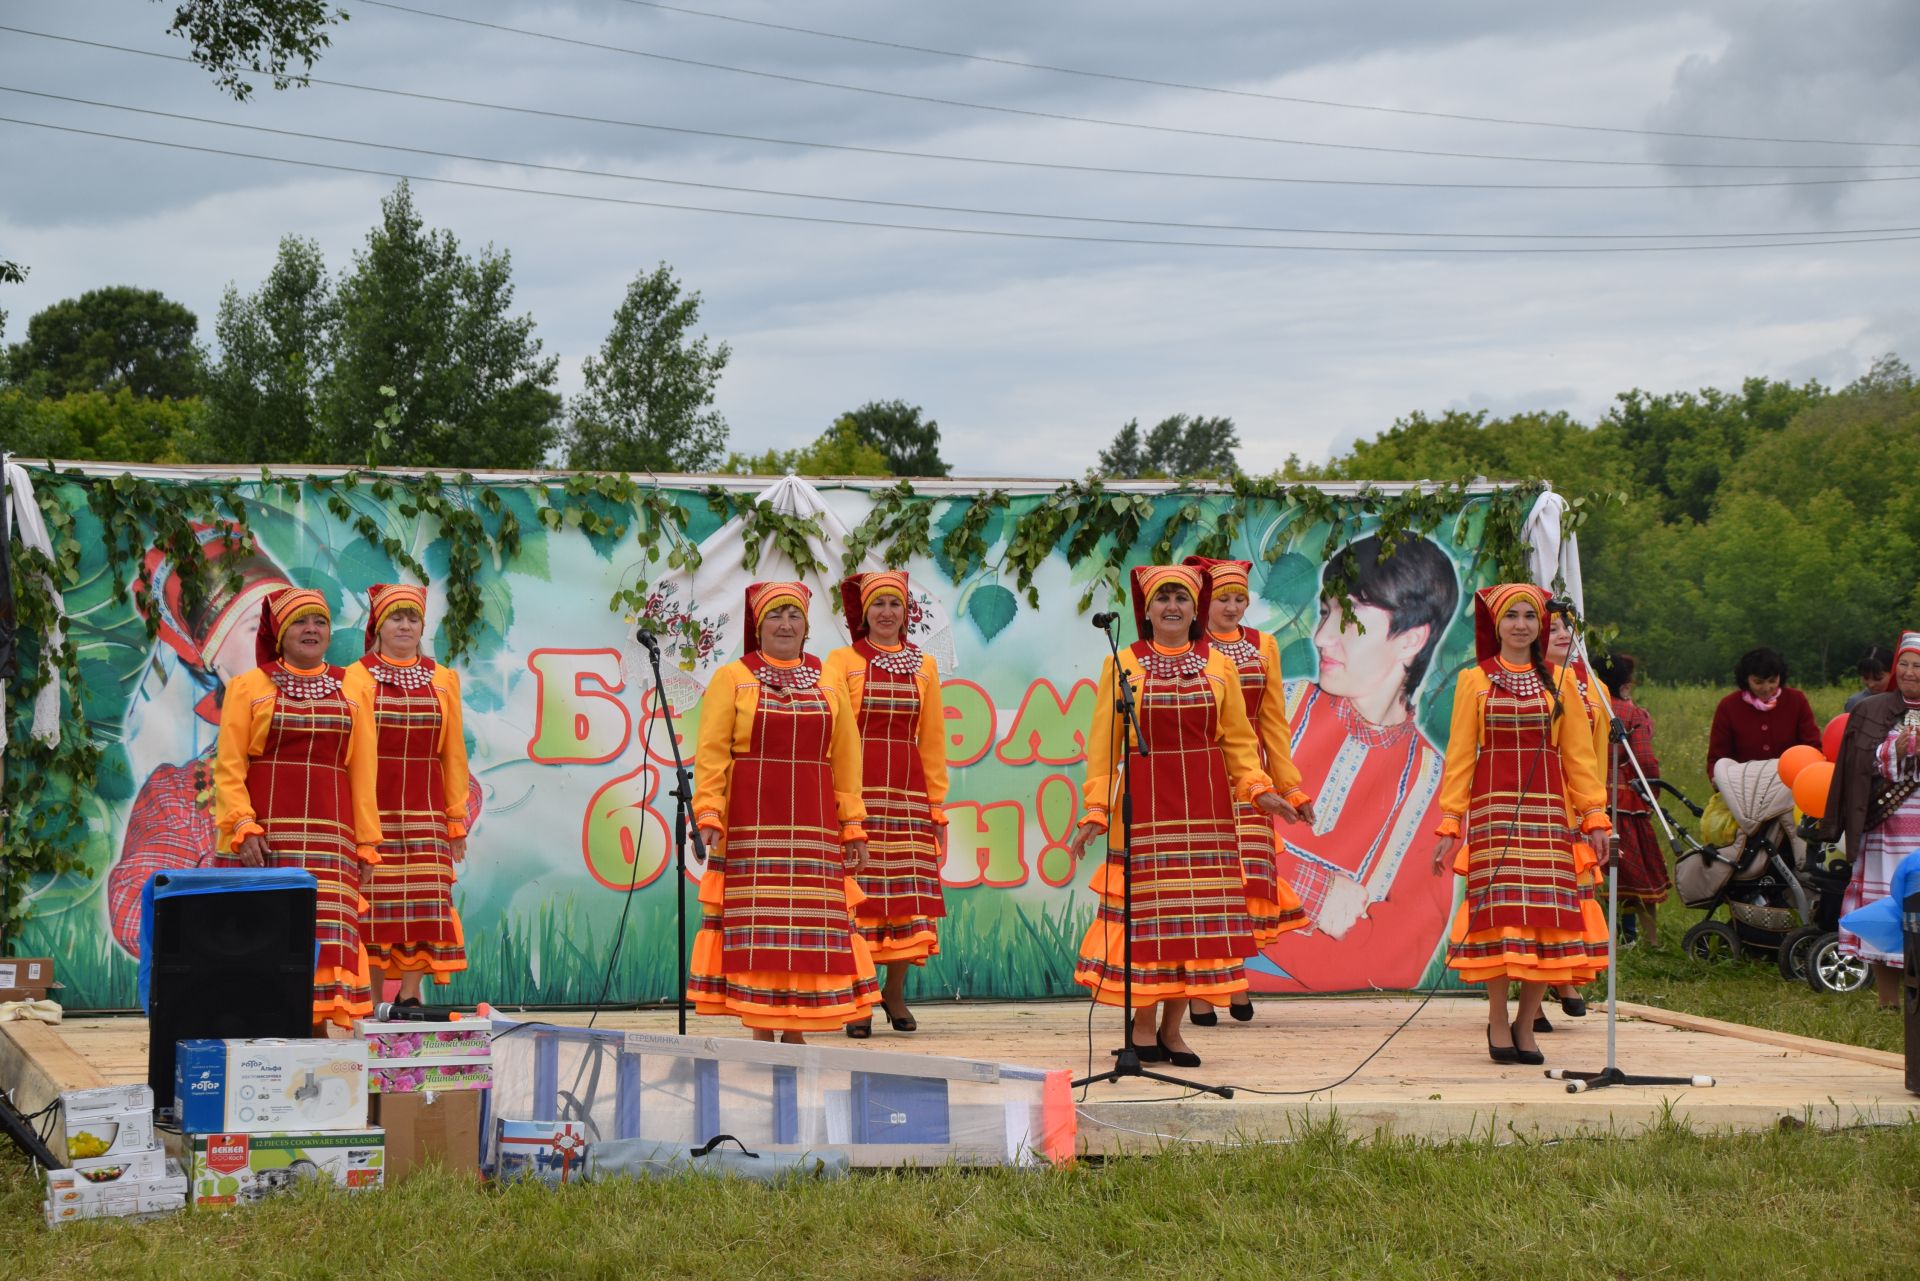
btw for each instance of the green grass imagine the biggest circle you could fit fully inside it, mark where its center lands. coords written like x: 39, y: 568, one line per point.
x: 1780, y: 1205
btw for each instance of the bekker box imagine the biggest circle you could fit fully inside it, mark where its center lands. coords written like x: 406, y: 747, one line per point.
x: 239, y: 1169
x: 111, y: 1121
x: 268, y: 1086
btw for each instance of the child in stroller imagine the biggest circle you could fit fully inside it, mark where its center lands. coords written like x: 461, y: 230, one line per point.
x: 1780, y: 885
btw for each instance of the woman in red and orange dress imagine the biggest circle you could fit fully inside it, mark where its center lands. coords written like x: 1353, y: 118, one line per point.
x: 1271, y: 902
x: 777, y: 799
x: 294, y: 775
x: 1596, y: 704
x: 1191, y: 927
x: 1521, y: 787
x: 893, y: 687
x: 412, y: 928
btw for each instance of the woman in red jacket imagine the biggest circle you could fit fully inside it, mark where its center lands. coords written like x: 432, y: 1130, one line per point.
x: 1764, y: 716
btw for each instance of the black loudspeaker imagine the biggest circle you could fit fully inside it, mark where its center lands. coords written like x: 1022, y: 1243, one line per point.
x: 1910, y: 988
x: 237, y: 963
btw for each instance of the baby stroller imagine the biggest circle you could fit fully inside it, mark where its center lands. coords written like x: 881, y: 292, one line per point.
x: 1778, y: 883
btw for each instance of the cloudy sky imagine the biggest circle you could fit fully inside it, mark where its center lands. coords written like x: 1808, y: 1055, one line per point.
x: 1031, y: 352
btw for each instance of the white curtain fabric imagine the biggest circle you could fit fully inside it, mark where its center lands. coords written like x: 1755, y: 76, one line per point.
x: 1553, y: 556
x: 23, y: 518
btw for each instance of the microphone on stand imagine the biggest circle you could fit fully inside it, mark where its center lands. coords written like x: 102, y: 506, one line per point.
x: 1105, y: 620
x: 647, y: 639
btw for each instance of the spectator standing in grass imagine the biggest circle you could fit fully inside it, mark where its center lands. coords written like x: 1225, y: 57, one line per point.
x: 1763, y: 716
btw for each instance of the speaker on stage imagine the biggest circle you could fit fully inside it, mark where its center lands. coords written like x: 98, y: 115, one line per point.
x: 224, y: 952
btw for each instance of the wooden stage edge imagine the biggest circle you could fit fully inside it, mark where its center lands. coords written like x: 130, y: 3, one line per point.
x: 1432, y: 1082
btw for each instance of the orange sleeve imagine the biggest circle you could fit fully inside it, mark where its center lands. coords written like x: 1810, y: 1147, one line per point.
x: 849, y: 779
x: 1600, y: 713
x: 1097, y: 792
x: 1275, y: 735
x: 844, y: 667
x: 1463, y: 749
x: 454, y: 775
x: 363, y: 767
x: 933, y: 736
x: 243, y: 727
x: 713, y: 749
x: 1586, y: 797
x: 1235, y: 732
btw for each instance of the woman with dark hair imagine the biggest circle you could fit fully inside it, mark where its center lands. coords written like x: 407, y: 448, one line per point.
x: 1644, y: 881
x: 1764, y: 716
x: 1522, y: 792
x: 1876, y: 676
x: 1191, y: 927
x: 1375, y: 912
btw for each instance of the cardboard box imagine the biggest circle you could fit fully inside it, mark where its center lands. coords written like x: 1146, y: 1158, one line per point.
x: 70, y: 1195
x: 26, y: 978
x: 407, y: 1058
x: 425, y: 1129
x: 226, y: 1170
x: 550, y: 1151
x: 108, y: 1122
x: 270, y: 1086
x: 104, y: 1171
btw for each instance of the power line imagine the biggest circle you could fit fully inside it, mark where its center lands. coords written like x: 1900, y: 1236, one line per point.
x: 1033, y: 113
x: 958, y: 209
x: 991, y: 233
x: 1250, y: 93
x: 996, y: 161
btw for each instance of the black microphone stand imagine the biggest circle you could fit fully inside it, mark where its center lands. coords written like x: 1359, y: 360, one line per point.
x: 1578, y: 1082
x: 683, y: 827
x: 1127, y: 1062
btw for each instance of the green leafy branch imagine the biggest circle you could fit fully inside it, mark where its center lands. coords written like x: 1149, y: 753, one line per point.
x: 900, y: 519
x: 794, y: 536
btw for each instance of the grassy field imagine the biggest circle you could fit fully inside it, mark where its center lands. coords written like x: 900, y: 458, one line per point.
x: 1780, y: 1205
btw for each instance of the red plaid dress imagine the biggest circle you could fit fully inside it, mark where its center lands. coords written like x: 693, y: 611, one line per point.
x: 301, y: 797
x: 902, y: 877
x: 411, y: 922
x: 1271, y: 902
x: 170, y: 827
x: 777, y: 946
x: 1191, y: 929
x: 1644, y: 879
x: 1524, y: 916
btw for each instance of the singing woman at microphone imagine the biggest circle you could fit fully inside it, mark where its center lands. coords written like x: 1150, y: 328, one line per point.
x: 1520, y: 787
x: 1191, y: 928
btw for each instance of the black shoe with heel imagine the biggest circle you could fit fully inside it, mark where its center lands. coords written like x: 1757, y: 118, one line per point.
x: 1532, y: 1057
x: 1180, y: 1058
x: 1208, y: 1017
x: 1500, y: 1053
x: 1242, y: 1013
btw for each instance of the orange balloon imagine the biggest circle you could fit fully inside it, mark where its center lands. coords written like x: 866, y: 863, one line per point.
x: 1795, y: 759
x: 1810, y: 788
x: 1830, y: 737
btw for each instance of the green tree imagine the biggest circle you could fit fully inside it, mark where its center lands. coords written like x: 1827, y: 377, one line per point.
x: 417, y: 315
x: 648, y: 403
x: 231, y: 37
x: 95, y: 426
x: 1179, y: 446
x: 911, y: 446
x: 276, y: 349
x: 11, y: 273
x: 107, y: 339
x: 841, y: 450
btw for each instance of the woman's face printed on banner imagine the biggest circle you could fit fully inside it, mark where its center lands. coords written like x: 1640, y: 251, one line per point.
x: 1362, y: 660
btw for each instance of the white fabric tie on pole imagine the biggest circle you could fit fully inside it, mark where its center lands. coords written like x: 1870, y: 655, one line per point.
x: 23, y: 515
x: 1549, y: 555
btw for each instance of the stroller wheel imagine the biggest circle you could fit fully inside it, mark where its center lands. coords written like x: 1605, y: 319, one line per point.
x: 1796, y: 949
x: 1711, y: 943
x: 1831, y: 971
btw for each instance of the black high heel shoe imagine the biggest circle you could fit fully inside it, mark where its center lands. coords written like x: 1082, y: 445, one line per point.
x: 1501, y: 1053
x: 905, y: 1023
x: 1532, y: 1057
x: 1541, y: 1024
x: 1242, y: 1013
x: 1148, y: 1053
x: 1179, y: 1058
x: 1574, y: 1007
x: 1208, y: 1017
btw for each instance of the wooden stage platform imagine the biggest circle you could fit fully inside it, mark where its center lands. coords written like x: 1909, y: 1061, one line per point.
x: 1433, y: 1081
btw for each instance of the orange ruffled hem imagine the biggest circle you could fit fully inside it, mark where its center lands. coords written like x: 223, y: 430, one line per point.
x: 1272, y: 919
x: 897, y: 940
x: 1212, y: 980
x: 352, y: 996
x: 418, y: 958
x: 1574, y: 956
x: 779, y: 1000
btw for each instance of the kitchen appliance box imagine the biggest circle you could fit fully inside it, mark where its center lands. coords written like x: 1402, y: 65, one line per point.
x: 225, y: 1170
x: 70, y: 1196
x: 111, y: 1121
x: 270, y: 1086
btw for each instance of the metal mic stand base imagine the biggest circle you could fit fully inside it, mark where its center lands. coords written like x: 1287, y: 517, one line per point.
x: 1581, y: 1082
x: 1128, y: 1064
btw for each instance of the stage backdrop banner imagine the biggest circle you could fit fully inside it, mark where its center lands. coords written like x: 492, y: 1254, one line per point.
x: 572, y: 767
